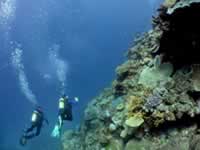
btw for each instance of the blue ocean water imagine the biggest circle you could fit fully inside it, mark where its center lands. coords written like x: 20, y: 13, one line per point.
x: 75, y: 42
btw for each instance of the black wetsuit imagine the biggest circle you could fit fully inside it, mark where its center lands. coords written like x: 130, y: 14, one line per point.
x: 37, y: 124
x: 66, y: 112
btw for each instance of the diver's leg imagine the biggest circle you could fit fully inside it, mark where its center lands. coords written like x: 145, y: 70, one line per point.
x: 31, y: 135
x: 61, y: 115
x: 60, y: 121
x: 38, y: 130
x: 29, y: 129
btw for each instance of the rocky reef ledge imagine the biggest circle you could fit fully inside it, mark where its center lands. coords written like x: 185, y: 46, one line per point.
x: 154, y: 103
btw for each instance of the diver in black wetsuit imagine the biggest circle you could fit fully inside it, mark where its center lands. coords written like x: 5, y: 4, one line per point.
x: 65, y: 113
x: 36, y: 123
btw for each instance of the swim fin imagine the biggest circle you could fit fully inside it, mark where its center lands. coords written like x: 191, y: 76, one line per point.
x: 56, y: 131
x: 23, y: 141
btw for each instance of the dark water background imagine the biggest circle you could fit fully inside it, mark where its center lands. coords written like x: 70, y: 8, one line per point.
x: 93, y: 36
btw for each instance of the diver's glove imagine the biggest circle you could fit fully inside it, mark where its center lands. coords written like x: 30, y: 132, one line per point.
x: 56, y: 131
x: 76, y: 99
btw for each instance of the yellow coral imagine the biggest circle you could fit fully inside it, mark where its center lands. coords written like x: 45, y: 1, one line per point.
x: 133, y: 103
x: 158, y: 118
x: 147, y: 92
x: 170, y: 116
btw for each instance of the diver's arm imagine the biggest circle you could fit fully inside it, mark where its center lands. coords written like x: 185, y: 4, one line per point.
x: 46, y: 120
x: 74, y: 100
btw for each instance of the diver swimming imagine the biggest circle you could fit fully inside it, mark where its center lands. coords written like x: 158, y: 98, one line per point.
x: 65, y: 113
x: 37, y: 120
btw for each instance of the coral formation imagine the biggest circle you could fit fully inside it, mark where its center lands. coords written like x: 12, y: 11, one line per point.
x: 134, y: 121
x: 154, y: 102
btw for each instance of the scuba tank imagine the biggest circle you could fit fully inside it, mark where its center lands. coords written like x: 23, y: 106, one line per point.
x: 36, y: 117
x: 62, y: 103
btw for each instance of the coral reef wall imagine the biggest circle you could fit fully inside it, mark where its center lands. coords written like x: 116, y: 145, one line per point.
x: 154, y: 103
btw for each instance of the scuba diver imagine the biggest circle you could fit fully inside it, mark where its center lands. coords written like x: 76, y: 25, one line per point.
x: 37, y: 120
x: 65, y: 113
